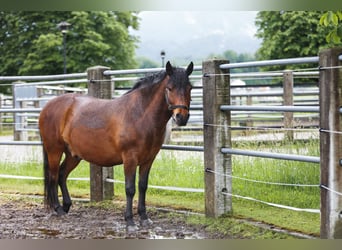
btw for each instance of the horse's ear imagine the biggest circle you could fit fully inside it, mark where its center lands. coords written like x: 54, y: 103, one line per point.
x: 169, y: 69
x: 190, y: 68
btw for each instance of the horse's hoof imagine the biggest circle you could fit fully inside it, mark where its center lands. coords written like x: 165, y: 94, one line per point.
x: 60, y: 211
x: 66, y: 208
x: 146, y: 223
x: 132, y: 228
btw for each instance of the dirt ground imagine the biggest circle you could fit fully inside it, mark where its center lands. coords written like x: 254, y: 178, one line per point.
x: 27, y: 219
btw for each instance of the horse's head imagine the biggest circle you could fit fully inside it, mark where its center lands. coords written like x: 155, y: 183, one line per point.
x: 178, y: 92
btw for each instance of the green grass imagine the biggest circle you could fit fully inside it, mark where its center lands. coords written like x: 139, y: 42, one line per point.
x: 187, y: 171
x: 6, y: 130
x: 227, y: 225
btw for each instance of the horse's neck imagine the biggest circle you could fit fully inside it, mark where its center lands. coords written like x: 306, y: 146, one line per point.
x: 156, y: 106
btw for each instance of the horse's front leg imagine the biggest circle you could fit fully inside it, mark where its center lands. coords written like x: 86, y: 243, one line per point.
x: 130, y: 192
x: 144, y: 171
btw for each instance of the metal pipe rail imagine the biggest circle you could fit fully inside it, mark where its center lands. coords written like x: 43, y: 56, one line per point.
x: 11, y: 110
x: 274, y: 93
x: 20, y: 110
x: 164, y: 146
x: 46, y: 77
x: 183, y: 148
x: 271, y: 74
x: 57, y: 82
x: 313, y: 59
x: 139, y: 71
x: 21, y: 143
x: 300, y: 60
x: 270, y: 108
x: 303, y: 158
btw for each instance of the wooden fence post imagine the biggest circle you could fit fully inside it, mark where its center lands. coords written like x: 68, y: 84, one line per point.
x: 19, y: 134
x: 330, y: 94
x: 288, y: 101
x: 216, y: 92
x: 100, y: 86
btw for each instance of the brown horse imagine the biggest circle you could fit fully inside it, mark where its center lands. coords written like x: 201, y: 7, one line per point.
x: 128, y: 130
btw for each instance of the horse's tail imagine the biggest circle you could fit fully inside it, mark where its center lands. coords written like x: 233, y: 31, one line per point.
x: 48, y: 196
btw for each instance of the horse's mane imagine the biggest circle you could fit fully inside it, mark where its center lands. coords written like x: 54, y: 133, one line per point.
x: 149, y: 80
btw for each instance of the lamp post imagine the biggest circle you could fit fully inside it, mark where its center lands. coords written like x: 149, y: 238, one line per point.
x: 162, y: 55
x: 63, y: 26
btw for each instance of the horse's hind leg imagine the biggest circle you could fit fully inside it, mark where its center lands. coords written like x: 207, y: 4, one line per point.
x: 51, y: 176
x: 66, y: 167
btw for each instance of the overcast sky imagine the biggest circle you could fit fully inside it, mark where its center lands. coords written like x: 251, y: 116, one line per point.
x: 196, y: 32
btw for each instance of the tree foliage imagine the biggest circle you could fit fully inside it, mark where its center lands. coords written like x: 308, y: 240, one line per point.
x: 235, y: 57
x: 144, y: 63
x: 333, y: 21
x: 289, y: 34
x: 31, y: 43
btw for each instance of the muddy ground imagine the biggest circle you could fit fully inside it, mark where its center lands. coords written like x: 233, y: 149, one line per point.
x: 23, y: 218
x: 27, y: 219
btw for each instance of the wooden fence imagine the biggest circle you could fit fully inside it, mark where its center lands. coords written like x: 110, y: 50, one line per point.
x: 217, y: 139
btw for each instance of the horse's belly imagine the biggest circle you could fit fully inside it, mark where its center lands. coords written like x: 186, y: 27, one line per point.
x: 101, y: 158
x: 103, y: 161
x: 95, y: 149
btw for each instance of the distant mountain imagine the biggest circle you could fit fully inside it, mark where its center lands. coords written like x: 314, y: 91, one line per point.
x: 196, y: 49
x: 194, y: 35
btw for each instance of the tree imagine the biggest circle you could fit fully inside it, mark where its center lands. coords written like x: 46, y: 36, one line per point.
x: 235, y: 57
x: 31, y: 44
x: 144, y: 62
x: 289, y: 34
x: 333, y: 21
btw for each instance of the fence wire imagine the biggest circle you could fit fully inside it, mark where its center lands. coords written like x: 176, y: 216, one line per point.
x: 331, y: 190
x: 262, y: 182
x: 309, y: 210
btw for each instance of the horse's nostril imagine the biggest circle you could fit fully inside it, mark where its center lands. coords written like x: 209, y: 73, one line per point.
x: 181, y: 119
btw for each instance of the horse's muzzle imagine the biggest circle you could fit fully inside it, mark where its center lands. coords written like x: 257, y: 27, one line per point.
x: 181, y: 119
